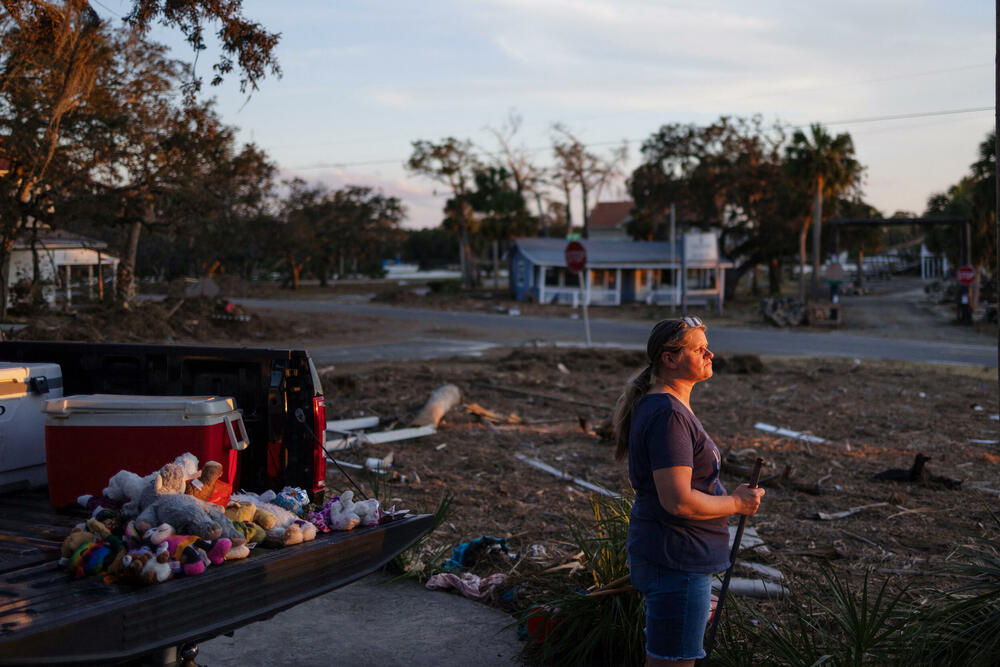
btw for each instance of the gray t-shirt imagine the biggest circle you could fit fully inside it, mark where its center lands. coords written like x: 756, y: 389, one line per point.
x: 665, y: 434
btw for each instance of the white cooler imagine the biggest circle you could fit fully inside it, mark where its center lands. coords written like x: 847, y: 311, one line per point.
x: 23, y: 388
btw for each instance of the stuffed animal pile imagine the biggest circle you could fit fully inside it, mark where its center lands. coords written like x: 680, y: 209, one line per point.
x: 181, y: 519
x: 149, y: 529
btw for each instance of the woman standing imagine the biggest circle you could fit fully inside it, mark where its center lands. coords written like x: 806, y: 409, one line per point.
x: 678, y: 535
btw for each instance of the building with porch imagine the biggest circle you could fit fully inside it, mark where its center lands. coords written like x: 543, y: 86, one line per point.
x: 65, y: 261
x: 620, y: 272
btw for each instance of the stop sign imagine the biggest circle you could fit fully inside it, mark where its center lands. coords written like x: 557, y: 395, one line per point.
x: 965, y: 274
x: 576, y: 256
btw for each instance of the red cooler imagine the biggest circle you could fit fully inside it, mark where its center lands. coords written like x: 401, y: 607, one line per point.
x: 88, y: 438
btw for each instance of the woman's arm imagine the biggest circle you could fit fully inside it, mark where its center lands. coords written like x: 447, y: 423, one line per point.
x: 673, y: 487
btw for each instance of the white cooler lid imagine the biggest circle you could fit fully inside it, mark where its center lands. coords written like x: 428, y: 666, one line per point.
x: 115, y: 403
x: 15, y: 372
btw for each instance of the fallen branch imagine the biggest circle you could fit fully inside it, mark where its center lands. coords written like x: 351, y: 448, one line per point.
x: 443, y: 399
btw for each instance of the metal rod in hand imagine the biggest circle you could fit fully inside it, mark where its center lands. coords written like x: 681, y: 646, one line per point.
x: 754, y: 479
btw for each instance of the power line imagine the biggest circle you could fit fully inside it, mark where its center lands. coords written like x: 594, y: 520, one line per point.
x: 850, y: 121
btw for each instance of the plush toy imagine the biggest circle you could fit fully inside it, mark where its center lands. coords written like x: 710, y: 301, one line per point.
x: 240, y: 511
x: 287, y: 529
x: 253, y: 533
x: 318, y: 519
x: 181, y: 511
x: 157, y: 570
x: 235, y: 553
x: 169, y: 480
x: 216, y: 514
x: 96, y: 557
x: 292, y: 498
x: 338, y: 516
x: 282, y: 517
x: 368, y: 511
x: 296, y: 532
x: 124, y: 486
x: 201, y: 487
x: 191, y: 551
x: 142, y: 566
x: 246, y: 510
x: 81, y: 535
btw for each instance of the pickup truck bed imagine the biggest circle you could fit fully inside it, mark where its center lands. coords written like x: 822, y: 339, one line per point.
x: 46, y: 617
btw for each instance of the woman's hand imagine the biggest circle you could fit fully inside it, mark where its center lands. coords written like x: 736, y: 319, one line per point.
x: 747, y: 499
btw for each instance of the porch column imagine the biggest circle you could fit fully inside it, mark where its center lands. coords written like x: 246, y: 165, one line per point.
x: 90, y: 282
x: 589, y: 278
x: 618, y: 287
x: 541, y: 284
x: 69, y: 289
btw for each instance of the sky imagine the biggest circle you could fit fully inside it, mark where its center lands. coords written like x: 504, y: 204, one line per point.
x: 912, y: 82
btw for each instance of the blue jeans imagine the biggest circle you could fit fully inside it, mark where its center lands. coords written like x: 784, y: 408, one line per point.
x: 677, y: 610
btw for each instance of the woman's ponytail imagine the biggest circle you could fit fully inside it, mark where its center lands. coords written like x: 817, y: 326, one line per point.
x: 621, y: 422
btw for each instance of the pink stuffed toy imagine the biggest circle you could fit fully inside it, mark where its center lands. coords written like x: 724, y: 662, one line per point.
x: 191, y: 551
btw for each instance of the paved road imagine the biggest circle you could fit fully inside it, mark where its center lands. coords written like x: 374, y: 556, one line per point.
x: 488, y: 330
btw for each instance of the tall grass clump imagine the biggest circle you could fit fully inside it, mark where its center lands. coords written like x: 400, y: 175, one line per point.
x: 961, y: 626
x: 605, y: 627
x: 831, y: 624
x: 419, y: 561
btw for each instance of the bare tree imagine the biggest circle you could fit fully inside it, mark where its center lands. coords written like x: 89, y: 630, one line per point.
x: 576, y: 166
x: 453, y: 163
x: 529, y: 178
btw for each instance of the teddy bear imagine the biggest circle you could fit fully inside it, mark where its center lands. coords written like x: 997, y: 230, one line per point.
x: 288, y: 529
x: 157, y: 570
x: 125, y: 488
x: 368, y: 511
x: 203, y: 486
x: 191, y: 551
x: 169, y: 480
x: 336, y: 514
x: 246, y: 510
x: 142, y: 566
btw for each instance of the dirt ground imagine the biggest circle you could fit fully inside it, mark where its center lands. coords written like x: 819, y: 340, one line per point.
x: 551, y: 404
x: 872, y: 416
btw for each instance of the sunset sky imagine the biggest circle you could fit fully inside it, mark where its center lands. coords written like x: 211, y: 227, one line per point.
x: 913, y: 82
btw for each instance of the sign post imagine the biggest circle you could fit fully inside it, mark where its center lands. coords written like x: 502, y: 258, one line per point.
x: 965, y: 275
x: 576, y: 261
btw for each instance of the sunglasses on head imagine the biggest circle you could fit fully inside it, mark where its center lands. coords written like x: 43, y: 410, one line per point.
x: 693, y: 321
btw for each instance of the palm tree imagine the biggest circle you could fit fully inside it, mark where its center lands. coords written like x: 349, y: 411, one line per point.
x: 826, y: 163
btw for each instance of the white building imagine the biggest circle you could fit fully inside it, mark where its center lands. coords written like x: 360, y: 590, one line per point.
x: 65, y: 261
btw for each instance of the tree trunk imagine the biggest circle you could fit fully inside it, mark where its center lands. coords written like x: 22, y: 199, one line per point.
x: 774, y: 277
x: 817, y: 222
x: 586, y: 218
x: 569, y: 216
x: 861, y: 268
x: 125, y: 287
x: 496, y: 264
x: 975, y: 288
x: 463, y: 250
x: 802, y: 260
x: 541, y: 215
